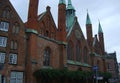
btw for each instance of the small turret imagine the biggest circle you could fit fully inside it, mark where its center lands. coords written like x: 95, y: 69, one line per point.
x: 89, y: 31
x: 100, y: 28
x: 32, y: 14
x: 88, y: 21
x: 61, y: 20
x: 101, y: 38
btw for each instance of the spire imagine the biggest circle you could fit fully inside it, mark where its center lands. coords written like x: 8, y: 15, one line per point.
x: 62, y: 2
x: 88, y: 21
x: 70, y: 15
x: 70, y: 6
x: 100, y: 28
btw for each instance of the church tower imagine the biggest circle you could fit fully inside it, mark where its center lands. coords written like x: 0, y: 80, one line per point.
x: 89, y: 31
x: 62, y: 20
x: 31, y: 46
x: 61, y: 34
x: 101, y: 38
x: 32, y: 14
x: 70, y: 15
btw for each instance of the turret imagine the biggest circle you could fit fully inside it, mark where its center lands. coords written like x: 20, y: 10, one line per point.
x: 101, y: 38
x: 62, y: 21
x: 70, y: 15
x: 89, y: 31
x: 32, y: 14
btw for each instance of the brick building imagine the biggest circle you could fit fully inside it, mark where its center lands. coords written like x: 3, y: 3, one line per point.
x: 112, y: 66
x: 41, y: 44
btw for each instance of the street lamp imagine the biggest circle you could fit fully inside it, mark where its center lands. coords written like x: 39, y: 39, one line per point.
x: 95, y: 68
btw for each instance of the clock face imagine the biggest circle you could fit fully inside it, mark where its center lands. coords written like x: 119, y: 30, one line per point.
x: 77, y: 34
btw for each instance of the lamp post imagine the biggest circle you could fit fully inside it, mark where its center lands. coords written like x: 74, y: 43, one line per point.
x: 95, y: 68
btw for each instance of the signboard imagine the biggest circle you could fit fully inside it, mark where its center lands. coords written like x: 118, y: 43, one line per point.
x: 99, y: 78
x: 95, y: 67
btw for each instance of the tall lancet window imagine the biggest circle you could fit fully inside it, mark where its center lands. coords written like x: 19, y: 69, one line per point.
x: 78, y: 56
x: 46, y: 57
x: 69, y: 51
x: 85, y: 54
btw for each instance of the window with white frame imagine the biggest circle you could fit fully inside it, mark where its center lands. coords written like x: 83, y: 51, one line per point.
x: 4, y: 26
x: 2, y: 57
x: 3, y: 41
x: 16, y: 77
x: 12, y: 58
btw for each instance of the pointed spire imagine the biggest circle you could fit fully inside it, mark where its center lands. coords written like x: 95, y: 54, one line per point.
x: 100, y: 28
x: 88, y: 21
x: 62, y: 2
x: 70, y: 6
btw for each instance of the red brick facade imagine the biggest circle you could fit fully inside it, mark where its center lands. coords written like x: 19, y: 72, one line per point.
x: 16, y: 40
x: 39, y: 44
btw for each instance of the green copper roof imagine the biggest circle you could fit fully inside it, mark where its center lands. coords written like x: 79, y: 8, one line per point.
x: 70, y: 6
x: 78, y: 63
x: 88, y: 21
x: 62, y: 2
x: 100, y: 28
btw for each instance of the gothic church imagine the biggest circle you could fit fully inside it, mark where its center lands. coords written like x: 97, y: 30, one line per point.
x: 41, y: 44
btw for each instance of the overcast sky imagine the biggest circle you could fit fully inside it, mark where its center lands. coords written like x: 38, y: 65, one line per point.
x: 107, y: 11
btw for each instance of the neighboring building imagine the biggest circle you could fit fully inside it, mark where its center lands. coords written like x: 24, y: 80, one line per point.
x: 112, y: 66
x: 39, y: 43
x: 119, y: 71
x: 119, y: 68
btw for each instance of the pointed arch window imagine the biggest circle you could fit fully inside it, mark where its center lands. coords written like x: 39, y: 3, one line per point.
x: 46, y: 33
x: 78, y: 56
x: 46, y: 57
x: 85, y: 52
x: 69, y: 51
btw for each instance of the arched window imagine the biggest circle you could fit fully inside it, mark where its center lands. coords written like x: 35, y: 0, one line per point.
x: 6, y: 13
x: 78, y: 56
x: 46, y: 57
x: 14, y: 45
x: 46, y: 33
x: 15, y: 28
x: 69, y: 51
x: 85, y: 54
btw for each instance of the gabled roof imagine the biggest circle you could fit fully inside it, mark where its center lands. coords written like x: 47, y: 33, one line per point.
x: 41, y: 15
x: 7, y: 3
x: 75, y: 26
x: 69, y: 32
x: 46, y: 13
